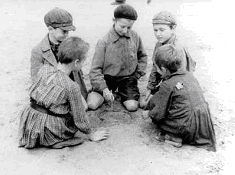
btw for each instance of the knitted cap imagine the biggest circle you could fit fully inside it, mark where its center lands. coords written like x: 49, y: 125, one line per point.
x: 59, y: 18
x: 164, y: 17
x: 125, y: 11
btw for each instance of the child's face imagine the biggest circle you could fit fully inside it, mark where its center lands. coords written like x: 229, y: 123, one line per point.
x: 123, y: 26
x: 58, y: 34
x: 163, y: 32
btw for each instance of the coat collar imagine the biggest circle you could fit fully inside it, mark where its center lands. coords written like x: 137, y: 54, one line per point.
x: 47, y: 52
x: 179, y: 72
x: 115, y: 36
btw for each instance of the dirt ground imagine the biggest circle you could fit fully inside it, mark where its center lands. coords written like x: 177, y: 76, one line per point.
x: 131, y: 149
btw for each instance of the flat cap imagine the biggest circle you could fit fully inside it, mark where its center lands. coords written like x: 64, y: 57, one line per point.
x: 164, y: 17
x: 125, y: 11
x: 59, y: 18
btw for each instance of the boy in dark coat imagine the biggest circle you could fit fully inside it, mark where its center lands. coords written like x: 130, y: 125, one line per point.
x: 179, y: 108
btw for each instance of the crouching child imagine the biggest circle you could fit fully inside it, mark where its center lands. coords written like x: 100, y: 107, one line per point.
x: 56, y: 114
x: 179, y: 109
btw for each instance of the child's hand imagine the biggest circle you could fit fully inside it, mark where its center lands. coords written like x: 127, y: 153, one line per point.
x: 145, y: 114
x: 98, y: 135
x: 108, y: 95
x: 148, y: 95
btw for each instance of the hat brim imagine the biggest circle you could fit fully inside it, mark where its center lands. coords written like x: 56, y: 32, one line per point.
x: 163, y: 22
x: 69, y: 28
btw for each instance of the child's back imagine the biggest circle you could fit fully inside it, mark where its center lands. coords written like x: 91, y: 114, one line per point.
x: 179, y: 107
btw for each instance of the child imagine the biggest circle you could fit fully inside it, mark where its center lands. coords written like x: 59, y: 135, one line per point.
x: 56, y: 111
x: 179, y: 109
x: 59, y: 23
x: 119, y: 61
x: 164, y: 26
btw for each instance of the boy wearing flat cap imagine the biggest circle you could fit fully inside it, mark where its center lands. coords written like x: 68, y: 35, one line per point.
x: 119, y: 61
x: 59, y: 22
x: 164, y: 26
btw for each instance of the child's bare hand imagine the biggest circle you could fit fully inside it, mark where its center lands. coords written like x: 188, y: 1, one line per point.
x: 108, y: 95
x: 98, y: 135
x: 145, y: 114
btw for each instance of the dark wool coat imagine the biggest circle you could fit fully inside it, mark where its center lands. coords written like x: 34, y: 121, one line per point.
x: 179, y: 108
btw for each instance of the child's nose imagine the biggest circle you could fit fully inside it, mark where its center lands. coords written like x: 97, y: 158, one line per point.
x: 125, y: 30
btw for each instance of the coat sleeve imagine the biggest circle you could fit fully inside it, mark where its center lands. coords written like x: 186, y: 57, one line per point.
x: 36, y: 62
x: 78, y: 110
x: 161, y: 102
x: 142, y: 60
x: 191, y: 64
x: 154, y: 78
x: 96, y: 73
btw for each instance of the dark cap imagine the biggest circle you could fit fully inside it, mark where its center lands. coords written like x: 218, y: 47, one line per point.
x: 59, y: 18
x: 118, y: 2
x: 125, y: 11
x: 164, y: 17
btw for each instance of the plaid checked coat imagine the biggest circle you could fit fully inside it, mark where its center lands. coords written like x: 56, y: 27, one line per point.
x: 42, y: 54
x: 54, y: 90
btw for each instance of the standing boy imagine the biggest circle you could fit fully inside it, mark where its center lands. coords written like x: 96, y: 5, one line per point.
x: 164, y: 26
x: 59, y: 22
x: 119, y: 61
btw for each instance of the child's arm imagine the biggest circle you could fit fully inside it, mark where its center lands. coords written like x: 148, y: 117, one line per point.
x: 78, y: 111
x: 191, y: 64
x: 36, y: 63
x: 154, y: 79
x: 96, y: 75
x: 161, y: 100
x: 142, y: 60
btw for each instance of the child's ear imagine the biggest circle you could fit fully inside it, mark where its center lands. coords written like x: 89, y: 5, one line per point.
x: 50, y: 28
x: 173, y: 27
x: 76, y: 62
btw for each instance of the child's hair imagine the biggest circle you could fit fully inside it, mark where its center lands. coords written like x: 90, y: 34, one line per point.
x: 72, y: 48
x: 125, y: 11
x: 168, y: 56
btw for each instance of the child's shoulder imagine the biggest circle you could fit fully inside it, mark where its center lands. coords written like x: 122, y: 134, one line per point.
x: 179, y: 76
x: 66, y: 82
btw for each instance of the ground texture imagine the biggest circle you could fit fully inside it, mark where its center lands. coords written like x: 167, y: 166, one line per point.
x: 131, y: 148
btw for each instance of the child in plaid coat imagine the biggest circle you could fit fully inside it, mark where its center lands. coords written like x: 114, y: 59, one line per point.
x: 56, y: 112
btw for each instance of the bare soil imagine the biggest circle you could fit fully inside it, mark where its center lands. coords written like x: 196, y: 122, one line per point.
x: 131, y: 148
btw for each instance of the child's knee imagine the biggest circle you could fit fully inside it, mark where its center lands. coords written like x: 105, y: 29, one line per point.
x: 94, y: 100
x: 131, y: 105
